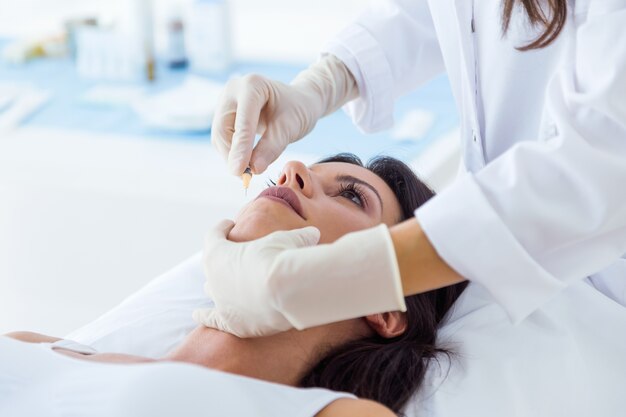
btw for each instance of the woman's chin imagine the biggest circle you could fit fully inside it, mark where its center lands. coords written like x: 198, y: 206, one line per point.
x: 246, y: 231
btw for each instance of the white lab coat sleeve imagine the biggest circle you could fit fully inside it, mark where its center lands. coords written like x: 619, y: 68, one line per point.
x: 390, y: 49
x: 547, y: 213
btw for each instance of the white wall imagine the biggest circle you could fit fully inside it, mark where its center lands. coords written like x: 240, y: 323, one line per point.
x: 289, y: 28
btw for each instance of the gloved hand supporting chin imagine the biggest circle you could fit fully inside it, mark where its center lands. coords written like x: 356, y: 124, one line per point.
x: 282, y: 281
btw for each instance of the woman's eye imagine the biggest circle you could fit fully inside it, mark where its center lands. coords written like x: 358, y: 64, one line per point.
x: 352, y: 196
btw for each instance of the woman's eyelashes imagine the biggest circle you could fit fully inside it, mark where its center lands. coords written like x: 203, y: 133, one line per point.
x: 350, y: 190
x: 354, y: 193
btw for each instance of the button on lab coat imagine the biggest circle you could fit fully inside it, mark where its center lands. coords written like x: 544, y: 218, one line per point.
x: 543, y: 133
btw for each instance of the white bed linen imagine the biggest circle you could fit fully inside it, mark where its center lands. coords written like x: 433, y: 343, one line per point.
x: 566, y: 359
x: 35, y: 381
x: 154, y: 319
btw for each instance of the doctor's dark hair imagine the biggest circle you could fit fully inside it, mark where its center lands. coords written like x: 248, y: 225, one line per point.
x: 390, y: 370
x: 550, y: 15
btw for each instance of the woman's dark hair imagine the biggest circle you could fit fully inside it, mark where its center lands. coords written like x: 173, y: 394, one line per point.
x: 390, y: 370
x: 551, y: 20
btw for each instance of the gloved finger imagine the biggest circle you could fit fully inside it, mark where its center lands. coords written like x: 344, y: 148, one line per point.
x: 215, y: 244
x: 268, y: 149
x: 215, y: 319
x: 221, y: 229
x: 297, y: 238
x: 217, y: 235
x: 249, y: 105
x: 222, y: 129
x: 223, y: 124
x: 208, y: 317
x: 207, y: 290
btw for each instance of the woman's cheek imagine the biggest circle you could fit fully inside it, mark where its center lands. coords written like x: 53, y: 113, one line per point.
x: 335, y: 224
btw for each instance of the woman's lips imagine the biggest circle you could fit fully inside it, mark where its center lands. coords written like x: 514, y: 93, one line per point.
x: 286, y: 196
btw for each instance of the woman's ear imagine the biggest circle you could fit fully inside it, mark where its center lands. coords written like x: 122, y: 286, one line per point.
x: 388, y: 325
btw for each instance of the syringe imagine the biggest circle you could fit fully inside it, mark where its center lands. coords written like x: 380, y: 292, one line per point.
x: 246, y: 177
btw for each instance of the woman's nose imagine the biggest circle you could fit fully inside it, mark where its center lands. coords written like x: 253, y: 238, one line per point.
x: 296, y: 175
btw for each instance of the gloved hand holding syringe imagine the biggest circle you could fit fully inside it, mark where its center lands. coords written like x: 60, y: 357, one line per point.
x: 280, y: 113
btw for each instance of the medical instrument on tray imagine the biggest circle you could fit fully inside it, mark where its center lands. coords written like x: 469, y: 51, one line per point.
x: 18, y: 102
x: 177, y: 109
x: 23, y: 50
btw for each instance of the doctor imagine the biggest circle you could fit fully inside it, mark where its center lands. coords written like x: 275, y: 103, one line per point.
x: 541, y: 89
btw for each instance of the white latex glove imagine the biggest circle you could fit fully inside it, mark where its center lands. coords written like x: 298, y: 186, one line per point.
x: 281, y: 113
x: 281, y: 281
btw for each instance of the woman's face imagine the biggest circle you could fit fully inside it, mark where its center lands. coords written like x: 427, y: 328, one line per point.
x: 335, y: 197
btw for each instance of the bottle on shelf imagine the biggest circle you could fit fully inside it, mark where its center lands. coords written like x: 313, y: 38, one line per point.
x: 208, y: 37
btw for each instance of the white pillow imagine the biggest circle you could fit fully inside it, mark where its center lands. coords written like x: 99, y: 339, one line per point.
x: 153, y: 320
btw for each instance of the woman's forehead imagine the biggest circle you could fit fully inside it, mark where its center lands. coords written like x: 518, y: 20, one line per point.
x: 334, y: 169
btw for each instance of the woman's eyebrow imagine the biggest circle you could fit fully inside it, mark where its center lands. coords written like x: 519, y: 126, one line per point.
x: 350, y: 178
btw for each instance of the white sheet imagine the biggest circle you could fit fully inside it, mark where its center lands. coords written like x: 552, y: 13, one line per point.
x: 154, y: 319
x: 567, y: 359
x: 35, y: 381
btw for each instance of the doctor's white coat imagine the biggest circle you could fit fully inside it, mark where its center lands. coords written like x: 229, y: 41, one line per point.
x: 543, y: 133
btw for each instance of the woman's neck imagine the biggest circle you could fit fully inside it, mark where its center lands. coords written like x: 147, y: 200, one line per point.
x: 283, y: 358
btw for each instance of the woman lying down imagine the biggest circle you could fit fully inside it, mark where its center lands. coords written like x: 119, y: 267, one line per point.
x: 381, y: 357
